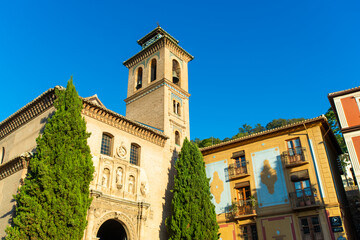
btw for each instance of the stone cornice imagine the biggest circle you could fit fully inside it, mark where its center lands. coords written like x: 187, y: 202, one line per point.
x: 46, y: 100
x: 179, y: 51
x: 268, y: 133
x: 154, y: 47
x: 13, y: 166
x: 28, y: 112
x: 99, y: 194
x: 146, y: 52
x: 116, y: 120
x: 154, y: 86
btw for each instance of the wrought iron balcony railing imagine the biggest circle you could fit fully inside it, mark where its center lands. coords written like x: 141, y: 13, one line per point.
x: 304, y: 198
x: 238, y: 170
x: 243, y: 209
x: 294, y: 157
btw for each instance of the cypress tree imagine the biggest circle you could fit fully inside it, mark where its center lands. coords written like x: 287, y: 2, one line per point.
x: 53, y: 202
x: 192, y: 213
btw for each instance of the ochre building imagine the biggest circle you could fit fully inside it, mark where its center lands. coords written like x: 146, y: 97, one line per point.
x: 133, y: 155
x: 279, y: 184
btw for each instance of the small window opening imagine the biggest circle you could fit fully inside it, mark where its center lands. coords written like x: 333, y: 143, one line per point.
x: 178, y: 108
x: 139, y: 78
x: 134, y: 154
x: 153, y: 70
x: 177, y: 138
x: 176, y: 73
x: 106, y: 144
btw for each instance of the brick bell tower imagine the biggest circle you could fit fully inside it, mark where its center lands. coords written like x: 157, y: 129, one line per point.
x: 157, y: 93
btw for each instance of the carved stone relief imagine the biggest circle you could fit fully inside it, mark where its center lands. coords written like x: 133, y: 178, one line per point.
x: 121, y: 151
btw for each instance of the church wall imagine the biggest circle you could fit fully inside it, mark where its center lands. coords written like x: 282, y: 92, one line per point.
x: 23, y: 139
x: 18, y: 142
x: 8, y: 188
x: 152, y: 173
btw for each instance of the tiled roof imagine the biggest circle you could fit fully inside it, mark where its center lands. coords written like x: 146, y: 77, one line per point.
x: 343, y: 92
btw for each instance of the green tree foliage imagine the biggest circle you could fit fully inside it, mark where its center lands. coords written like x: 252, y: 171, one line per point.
x: 53, y: 202
x: 246, y: 130
x: 330, y: 115
x: 282, y: 122
x: 193, y: 215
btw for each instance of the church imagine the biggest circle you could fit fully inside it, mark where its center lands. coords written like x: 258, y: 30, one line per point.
x: 133, y: 155
x: 282, y: 183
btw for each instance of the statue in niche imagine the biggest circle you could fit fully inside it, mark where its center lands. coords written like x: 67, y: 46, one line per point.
x: 105, y: 177
x: 131, y: 184
x: 268, y: 177
x: 144, y: 189
x: 119, y: 174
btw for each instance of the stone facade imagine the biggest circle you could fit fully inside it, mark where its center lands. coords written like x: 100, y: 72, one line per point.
x: 132, y: 180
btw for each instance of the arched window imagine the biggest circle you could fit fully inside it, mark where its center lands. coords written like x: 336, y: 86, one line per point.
x: 135, y: 154
x: 178, y: 109
x: 106, y: 144
x: 2, y: 155
x: 153, y: 70
x: 177, y: 138
x: 174, y: 106
x: 176, y: 72
x: 139, y: 78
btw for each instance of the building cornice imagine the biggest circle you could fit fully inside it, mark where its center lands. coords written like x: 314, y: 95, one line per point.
x: 46, y: 101
x: 28, y: 112
x: 116, y: 120
x: 13, y: 166
x: 350, y: 129
x: 154, y: 47
x: 343, y: 92
x: 157, y: 85
x: 266, y: 134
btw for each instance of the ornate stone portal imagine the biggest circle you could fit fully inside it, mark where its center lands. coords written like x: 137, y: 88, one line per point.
x: 118, y: 194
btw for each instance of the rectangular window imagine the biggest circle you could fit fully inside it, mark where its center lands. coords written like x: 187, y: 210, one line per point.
x: 134, y: 154
x: 310, y: 228
x: 248, y: 232
x: 106, y: 145
x: 294, y: 147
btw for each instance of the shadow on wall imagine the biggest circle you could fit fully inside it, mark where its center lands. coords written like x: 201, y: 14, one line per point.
x: 168, y: 197
x: 10, y: 214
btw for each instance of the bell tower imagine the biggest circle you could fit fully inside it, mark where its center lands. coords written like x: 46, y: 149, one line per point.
x: 157, y: 94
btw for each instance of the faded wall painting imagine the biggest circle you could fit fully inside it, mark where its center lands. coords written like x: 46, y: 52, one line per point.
x: 269, y: 178
x: 219, y: 185
x: 278, y: 228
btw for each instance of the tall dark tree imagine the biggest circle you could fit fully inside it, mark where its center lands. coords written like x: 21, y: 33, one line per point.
x: 53, y: 202
x: 330, y: 115
x: 193, y: 215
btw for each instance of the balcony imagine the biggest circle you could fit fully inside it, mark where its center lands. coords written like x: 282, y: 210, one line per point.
x: 294, y: 157
x: 242, y: 209
x: 304, y: 199
x: 238, y: 171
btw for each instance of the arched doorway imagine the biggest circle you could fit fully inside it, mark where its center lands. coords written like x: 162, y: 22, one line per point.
x: 112, y: 230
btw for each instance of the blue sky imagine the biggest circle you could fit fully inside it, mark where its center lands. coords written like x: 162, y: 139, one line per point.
x: 254, y: 60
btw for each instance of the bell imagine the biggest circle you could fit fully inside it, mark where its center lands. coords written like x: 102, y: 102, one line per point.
x: 175, y: 77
